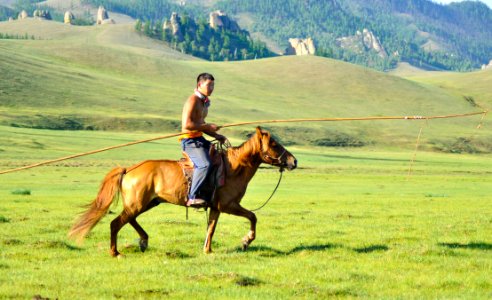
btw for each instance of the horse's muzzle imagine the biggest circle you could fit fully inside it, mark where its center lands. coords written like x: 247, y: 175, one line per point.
x: 291, y: 163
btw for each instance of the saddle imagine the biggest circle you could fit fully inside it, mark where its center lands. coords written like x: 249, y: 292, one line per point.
x: 214, y: 180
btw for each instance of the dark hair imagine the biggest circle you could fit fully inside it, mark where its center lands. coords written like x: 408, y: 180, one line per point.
x: 204, y: 77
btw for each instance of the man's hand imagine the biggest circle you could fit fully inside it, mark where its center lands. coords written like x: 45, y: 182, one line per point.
x: 222, y: 139
x: 212, y: 128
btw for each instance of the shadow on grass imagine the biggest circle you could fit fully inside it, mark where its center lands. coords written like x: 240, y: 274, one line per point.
x: 313, y: 248
x: 171, y: 254
x: 473, y: 246
x: 271, y: 252
x: 372, y: 248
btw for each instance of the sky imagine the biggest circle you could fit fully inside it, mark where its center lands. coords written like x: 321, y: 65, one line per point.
x: 488, y: 2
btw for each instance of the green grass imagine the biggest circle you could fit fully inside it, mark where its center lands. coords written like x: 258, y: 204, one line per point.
x: 111, y: 78
x: 346, y: 224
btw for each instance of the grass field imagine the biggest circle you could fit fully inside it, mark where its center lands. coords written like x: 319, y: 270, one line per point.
x: 111, y: 78
x: 347, y: 223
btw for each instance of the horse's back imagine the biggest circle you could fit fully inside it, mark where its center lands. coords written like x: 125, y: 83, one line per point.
x: 155, y: 178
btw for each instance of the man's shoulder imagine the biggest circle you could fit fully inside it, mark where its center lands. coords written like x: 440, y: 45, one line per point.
x: 193, y: 100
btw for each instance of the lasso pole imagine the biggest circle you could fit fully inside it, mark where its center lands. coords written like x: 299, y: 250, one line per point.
x: 483, y: 113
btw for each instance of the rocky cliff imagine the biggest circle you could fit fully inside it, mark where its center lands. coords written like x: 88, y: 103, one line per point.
x: 42, y: 14
x: 362, y: 42
x: 487, y: 67
x: 300, y: 47
x: 103, y: 17
x: 68, y: 17
x: 22, y: 15
x: 173, y: 26
x: 219, y: 19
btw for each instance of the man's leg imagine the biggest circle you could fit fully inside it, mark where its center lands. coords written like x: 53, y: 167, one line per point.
x: 197, y: 150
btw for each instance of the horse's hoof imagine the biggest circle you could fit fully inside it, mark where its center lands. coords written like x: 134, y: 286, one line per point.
x: 120, y: 256
x: 245, y: 246
x: 143, y: 245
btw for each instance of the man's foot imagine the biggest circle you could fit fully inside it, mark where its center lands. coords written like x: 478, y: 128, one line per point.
x: 196, y: 203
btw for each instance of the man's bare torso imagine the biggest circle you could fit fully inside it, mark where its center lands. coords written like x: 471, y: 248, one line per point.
x: 195, y: 111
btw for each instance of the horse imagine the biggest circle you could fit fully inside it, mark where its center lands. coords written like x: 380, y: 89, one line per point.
x: 152, y: 182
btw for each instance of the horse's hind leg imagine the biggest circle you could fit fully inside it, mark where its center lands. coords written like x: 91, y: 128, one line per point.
x: 116, y: 225
x: 212, y: 223
x: 144, y: 237
x: 238, y: 210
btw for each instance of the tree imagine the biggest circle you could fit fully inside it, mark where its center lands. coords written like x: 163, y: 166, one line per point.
x: 138, y: 25
x: 147, y: 28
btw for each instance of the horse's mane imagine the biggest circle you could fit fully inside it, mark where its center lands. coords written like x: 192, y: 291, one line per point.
x: 242, y: 154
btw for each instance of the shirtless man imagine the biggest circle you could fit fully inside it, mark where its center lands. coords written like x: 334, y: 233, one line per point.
x: 193, y: 126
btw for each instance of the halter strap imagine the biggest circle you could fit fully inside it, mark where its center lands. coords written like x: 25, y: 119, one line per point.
x: 277, y: 159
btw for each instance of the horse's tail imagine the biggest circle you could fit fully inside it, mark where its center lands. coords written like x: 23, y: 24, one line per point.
x: 109, y: 189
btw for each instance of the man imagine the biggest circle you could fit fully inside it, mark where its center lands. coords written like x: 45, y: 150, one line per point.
x: 193, y: 125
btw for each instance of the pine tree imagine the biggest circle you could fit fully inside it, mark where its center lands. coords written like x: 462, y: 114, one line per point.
x: 138, y: 25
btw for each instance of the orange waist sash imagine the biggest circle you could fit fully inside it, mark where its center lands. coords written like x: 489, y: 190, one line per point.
x: 190, y: 135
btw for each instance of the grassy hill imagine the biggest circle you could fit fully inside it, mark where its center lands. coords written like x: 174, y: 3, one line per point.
x: 353, y: 222
x: 112, y: 78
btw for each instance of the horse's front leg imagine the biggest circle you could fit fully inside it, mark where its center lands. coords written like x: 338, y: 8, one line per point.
x: 212, y: 223
x: 238, y: 210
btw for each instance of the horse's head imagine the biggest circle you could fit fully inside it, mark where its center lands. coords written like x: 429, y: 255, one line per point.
x: 273, y: 153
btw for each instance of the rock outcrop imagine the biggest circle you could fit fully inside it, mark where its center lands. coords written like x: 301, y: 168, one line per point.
x: 219, y: 19
x: 42, y: 14
x: 173, y: 25
x: 487, y: 67
x: 362, y: 42
x: 68, y: 18
x: 103, y: 17
x: 176, y: 24
x: 23, y: 15
x: 301, y: 47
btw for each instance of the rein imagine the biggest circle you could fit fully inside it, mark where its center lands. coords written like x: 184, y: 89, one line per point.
x: 273, y: 193
x: 223, y: 147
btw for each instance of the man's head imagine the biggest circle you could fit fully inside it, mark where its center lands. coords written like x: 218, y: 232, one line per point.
x: 205, y: 83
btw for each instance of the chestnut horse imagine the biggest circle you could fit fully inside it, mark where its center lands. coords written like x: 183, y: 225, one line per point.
x: 152, y: 182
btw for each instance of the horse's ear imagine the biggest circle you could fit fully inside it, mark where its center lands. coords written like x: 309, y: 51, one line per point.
x: 258, y: 131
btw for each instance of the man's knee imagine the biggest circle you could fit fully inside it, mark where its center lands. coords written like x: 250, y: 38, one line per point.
x: 204, y: 165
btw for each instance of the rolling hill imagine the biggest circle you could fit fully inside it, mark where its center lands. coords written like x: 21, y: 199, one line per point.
x: 112, y: 78
x: 420, y: 32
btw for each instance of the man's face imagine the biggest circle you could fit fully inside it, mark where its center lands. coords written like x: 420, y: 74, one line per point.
x: 206, y: 87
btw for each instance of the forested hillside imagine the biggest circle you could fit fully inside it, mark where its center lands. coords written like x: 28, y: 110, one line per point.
x: 461, y: 32
x: 456, y: 37
x: 199, y: 39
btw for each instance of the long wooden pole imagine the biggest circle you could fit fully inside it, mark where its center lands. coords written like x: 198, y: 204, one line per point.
x: 483, y: 113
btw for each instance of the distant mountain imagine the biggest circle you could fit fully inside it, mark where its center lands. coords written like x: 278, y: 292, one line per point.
x: 454, y: 37
x: 374, y: 33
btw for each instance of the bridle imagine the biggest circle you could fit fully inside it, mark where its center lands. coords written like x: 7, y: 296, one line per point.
x: 275, y: 161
